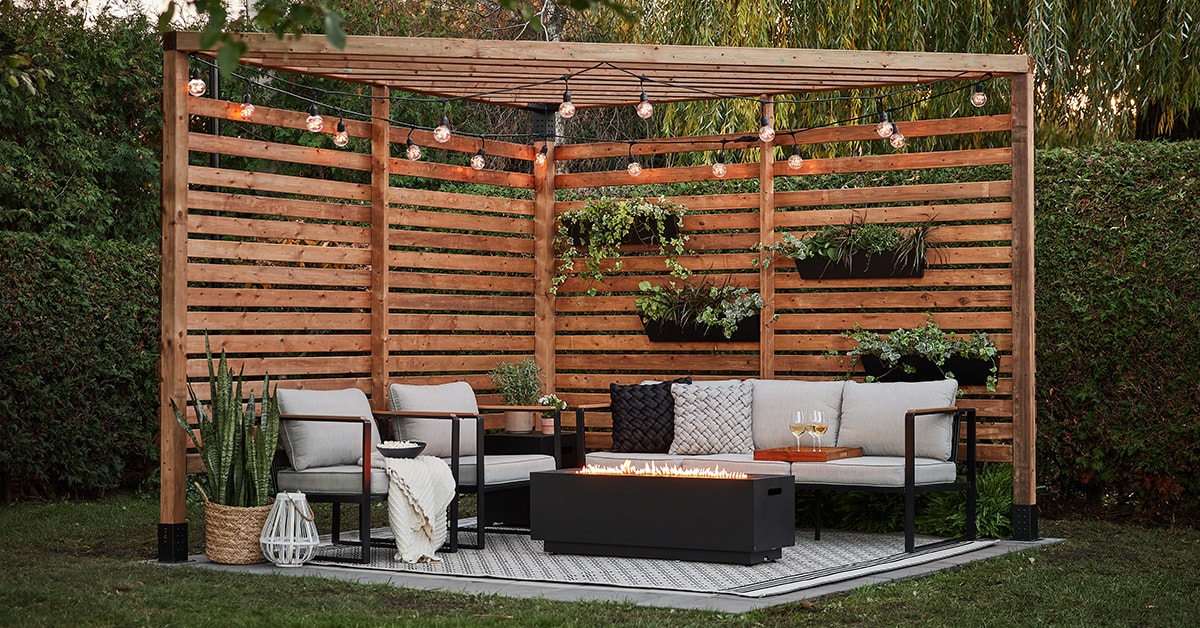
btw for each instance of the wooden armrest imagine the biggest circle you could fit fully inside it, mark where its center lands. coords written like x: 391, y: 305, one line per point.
x: 417, y: 414
x: 934, y: 410
x: 516, y: 408
x: 322, y: 417
x: 594, y: 406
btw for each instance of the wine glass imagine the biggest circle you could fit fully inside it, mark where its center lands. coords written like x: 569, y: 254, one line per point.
x: 798, y: 427
x: 818, y: 427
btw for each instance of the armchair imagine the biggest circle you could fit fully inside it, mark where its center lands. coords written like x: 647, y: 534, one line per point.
x: 447, y: 418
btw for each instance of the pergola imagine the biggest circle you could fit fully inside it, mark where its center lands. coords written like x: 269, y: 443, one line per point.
x: 363, y: 280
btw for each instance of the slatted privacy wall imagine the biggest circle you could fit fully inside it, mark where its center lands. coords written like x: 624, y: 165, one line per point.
x: 361, y: 268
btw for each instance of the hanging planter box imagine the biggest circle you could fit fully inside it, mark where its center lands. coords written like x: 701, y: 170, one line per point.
x: 967, y: 371
x: 748, y: 330
x: 644, y: 231
x: 860, y: 265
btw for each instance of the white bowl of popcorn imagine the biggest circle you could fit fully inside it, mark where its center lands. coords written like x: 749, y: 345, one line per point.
x: 401, y: 448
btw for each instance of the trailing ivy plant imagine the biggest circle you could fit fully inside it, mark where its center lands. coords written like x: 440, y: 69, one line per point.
x: 927, y: 341
x: 838, y: 243
x: 700, y: 304
x: 602, y: 224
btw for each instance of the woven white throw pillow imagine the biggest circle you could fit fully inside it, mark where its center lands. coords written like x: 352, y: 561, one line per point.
x: 712, y: 419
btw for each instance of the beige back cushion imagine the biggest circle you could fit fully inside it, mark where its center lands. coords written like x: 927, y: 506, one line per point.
x: 323, y: 443
x: 873, y: 417
x: 435, y: 433
x: 776, y: 402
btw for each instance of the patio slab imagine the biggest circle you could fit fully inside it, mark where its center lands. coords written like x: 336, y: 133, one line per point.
x: 639, y: 596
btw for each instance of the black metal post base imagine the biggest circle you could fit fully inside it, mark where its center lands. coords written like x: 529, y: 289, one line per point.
x: 1025, y: 522
x: 173, y: 542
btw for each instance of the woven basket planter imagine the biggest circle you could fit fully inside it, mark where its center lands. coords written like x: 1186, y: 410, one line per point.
x: 231, y: 533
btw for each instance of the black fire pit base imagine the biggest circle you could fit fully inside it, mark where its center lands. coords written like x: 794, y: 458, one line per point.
x: 742, y: 521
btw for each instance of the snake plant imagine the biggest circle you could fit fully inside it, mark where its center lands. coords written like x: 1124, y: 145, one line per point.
x: 238, y: 444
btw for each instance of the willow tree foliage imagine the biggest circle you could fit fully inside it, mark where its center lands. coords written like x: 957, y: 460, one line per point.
x: 1101, y: 67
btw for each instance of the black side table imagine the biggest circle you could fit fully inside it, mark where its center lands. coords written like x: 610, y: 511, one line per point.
x: 533, y: 443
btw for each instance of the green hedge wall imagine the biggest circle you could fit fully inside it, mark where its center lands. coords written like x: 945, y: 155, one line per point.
x: 1118, y: 326
x: 79, y: 357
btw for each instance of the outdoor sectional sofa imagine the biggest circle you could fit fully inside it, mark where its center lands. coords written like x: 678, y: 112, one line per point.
x: 909, y: 433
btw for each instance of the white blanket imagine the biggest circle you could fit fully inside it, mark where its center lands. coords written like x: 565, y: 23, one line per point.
x: 419, y: 491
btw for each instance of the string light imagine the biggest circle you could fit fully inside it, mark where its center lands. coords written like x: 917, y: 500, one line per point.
x: 896, y: 138
x: 314, y: 121
x: 196, y: 86
x: 766, y: 132
x: 979, y: 97
x: 247, y: 108
x: 479, y: 160
x: 441, y: 134
x: 341, y: 137
x: 718, y: 167
x: 644, y: 109
x: 885, y: 128
x: 411, y: 150
x: 540, y: 159
x: 795, y: 161
x: 634, y: 168
x: 566, y: 109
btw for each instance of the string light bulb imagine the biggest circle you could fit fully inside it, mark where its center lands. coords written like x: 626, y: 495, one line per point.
x: 479, y: 160
x: 718, y: 167
x: 196, y: 86
x: 411, y: 150
x: 441, y: 134
x: 566, y: 109
x: 896, y: 138
x: 979, y: 97
x: 341, y: 137
x: 246, y: 110
x: 795, y: 161
x: 633, y: 168
x: 540, y: 159
x: 644, y: 109
x: 885, y: 127
x: 314, y: 121
x: 766, y: 132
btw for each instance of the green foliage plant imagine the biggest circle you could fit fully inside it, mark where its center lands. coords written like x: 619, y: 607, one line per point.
x: 698, y: 304
x: 603, y: 223
x: 927, y: 341
x: 943, y: 514
x: 838, y: 243
x: 238, y: 444
x: 520, y: 383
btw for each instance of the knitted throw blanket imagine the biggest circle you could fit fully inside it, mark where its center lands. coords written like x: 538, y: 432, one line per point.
x: 419, y: 491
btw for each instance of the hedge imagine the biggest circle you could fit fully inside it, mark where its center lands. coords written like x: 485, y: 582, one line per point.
x: 79, y: 354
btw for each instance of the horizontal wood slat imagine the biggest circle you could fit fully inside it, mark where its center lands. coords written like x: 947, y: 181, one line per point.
x: 292, y: 230
x: 261, y: 182
x: 277, y: 297
x: 275, y: 206
x: 261, y: 276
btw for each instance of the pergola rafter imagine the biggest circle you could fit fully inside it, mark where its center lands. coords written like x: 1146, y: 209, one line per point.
x: 331, y: 284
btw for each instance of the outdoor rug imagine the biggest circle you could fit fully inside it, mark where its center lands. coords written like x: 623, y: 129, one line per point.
x: 837, y: 556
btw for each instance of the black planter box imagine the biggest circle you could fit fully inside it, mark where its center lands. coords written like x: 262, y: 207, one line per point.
x: 748, y: 330
x: 643, y: 231
x: 741, y: 521
x: 860, y: 265
x: 967, y: 371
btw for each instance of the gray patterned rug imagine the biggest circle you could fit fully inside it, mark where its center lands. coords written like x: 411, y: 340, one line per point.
x: 837, y: 556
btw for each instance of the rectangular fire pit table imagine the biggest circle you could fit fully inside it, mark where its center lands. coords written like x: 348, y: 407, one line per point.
x: 720, y: 520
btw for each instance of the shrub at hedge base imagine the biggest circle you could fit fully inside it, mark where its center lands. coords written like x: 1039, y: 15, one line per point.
x: 79, y: 357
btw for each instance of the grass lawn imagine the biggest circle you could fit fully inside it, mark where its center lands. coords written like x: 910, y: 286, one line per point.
x: 80, y: 563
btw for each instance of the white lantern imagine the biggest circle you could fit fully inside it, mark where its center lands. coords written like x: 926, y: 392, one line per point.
x: 289, y: 538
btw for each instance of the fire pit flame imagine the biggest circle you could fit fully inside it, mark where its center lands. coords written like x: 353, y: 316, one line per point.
x: 667, y: 470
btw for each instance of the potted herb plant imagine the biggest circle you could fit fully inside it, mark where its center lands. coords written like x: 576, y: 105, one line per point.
x: 699, y: 311
x: 520, y: 383
x: 926, y: 353
x: 599, y: 230
x: 858, y: 249
x: 237, y: 449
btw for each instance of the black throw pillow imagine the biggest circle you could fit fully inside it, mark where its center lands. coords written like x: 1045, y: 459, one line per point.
x: 643, y: 416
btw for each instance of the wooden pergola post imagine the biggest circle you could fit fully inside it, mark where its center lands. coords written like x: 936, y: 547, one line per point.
x: 1024, y: 368
x: 380, y: 286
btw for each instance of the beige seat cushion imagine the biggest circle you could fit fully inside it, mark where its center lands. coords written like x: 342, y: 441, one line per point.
x: 873, y: 471
x: 639, y: 459
x: 503, y: 469
x: 738, y: 463
x: 343, y: 479
x: 323, y: 443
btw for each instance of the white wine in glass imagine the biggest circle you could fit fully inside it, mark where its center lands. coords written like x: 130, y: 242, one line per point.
x: 798, y: 427
x: 818, y: 427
